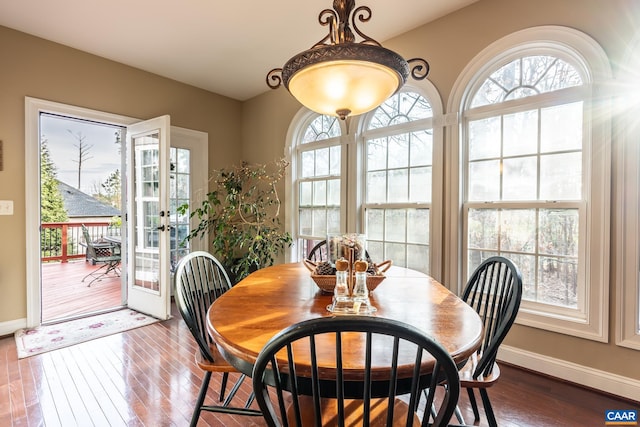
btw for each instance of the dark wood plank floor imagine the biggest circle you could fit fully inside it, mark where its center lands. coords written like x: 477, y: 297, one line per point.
x: 147, y: 377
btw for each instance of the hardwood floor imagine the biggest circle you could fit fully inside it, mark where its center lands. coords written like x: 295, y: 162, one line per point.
x: 147, y: 377
x: 65, y: 295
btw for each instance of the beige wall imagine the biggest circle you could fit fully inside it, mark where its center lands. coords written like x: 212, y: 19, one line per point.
x: 449, y: 44
x: 41, y: 69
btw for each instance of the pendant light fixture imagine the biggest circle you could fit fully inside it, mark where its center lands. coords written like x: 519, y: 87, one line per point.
x: 342, y: 77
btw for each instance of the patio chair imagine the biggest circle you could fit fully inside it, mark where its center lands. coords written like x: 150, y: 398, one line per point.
x: 308, y: 392
x: 200, y: 280
x: 105, y: 253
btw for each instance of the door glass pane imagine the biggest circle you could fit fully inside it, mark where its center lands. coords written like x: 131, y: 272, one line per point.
x: 146, y: 216
x: 179, y: 194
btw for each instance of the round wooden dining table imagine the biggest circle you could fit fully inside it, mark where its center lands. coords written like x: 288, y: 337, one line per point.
x: 243, y: 319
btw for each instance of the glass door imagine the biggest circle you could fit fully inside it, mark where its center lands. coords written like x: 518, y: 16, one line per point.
x: 149, y: 228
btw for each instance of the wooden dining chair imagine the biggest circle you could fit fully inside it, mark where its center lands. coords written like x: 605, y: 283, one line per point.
x: 199, y: 280
x: 494, y: 291
x: 319, y: 252
x: 305, y: 396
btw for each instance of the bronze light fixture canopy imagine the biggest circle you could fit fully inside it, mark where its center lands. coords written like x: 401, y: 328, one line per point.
x: 339, y: 76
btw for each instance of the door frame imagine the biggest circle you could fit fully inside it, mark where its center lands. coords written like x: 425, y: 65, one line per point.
x: 33, y: 108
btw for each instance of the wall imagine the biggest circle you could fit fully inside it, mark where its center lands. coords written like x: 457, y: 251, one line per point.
x: 449, y: 44
x: 37, y: 68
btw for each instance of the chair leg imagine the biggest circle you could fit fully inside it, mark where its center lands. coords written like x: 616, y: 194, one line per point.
x: 474, y: 405
x: 223, y: 387
x: 201, y: 395
x: 96, y: 274
x: 459, y: 416
x: 488, y: 410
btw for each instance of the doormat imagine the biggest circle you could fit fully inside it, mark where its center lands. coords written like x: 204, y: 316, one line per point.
x: 32, y: 341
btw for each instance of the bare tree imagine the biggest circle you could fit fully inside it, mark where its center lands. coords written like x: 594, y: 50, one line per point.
x: 83, y: 152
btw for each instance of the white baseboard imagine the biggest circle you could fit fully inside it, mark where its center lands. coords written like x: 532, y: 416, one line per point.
x: 601, y: 380
x: 8, y: 328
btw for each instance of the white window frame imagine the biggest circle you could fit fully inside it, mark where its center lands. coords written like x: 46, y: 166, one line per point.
x: 352, y: 190
x: 628, y: 178
x: 299, y: 124
x: 436, y: 123
x: 592, y: 321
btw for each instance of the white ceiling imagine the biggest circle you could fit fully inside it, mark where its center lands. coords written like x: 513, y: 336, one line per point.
x: 226, y: 47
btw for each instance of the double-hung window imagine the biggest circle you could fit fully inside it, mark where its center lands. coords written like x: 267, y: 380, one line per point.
x: 318, y: 182
x: 398, y: 165
x: 535, y: 176
x: 376, y: 179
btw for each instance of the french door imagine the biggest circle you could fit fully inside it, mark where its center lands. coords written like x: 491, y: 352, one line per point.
x: 157, y: 178
x: 149, y: 227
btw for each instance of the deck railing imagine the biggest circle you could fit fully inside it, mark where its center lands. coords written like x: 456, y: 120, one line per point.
x: 62, y: 241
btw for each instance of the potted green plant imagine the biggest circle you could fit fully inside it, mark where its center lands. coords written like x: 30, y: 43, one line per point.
x: 241, y: 216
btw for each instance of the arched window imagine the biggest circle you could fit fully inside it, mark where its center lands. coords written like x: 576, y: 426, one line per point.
x: 398, y: 165
x: 535, y: 173
x: 318, y: 181
x: 378, y: 178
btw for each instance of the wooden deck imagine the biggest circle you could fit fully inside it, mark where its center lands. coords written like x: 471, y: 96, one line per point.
x: 64, y: 294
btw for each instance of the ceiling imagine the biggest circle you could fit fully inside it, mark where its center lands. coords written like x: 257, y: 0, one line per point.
x: 226, y: 47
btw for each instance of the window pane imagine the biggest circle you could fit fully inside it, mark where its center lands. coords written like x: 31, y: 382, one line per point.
x: 400, y: 108
x: 418, y: 226
x: 304, y: 217
x: 376, y: 250
x: 561, y: 128
x: 333, y: 220
x: 521, y: 133
x: 307, y: 160
x: 518, y: 230
x: 421, y: 149
x: 334, y: 192
x: 375, y: 224
x: 399, y: 151
x: 305, y: 193
x: 376, y: 187
x: 483, y: 228
x: 558, y: 282
x: 334, y: 164
x: 527, y: 266
x: 520, y: 178
x: 377, y: 154
x: 476, y: 257
x: 395, y: 225
x: 484, y: 138
x: 322, y: 127
x: 484, y: 180
x: 319, y: 193
x: 319, y: 222
x: 561, y: 177
x: 420, y: 185
x: 398, y: 186
x: 418, y: 258
x: 559, y: 232
x: 526, y: 76
x: 322, y: 162
x: 395, y: 252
